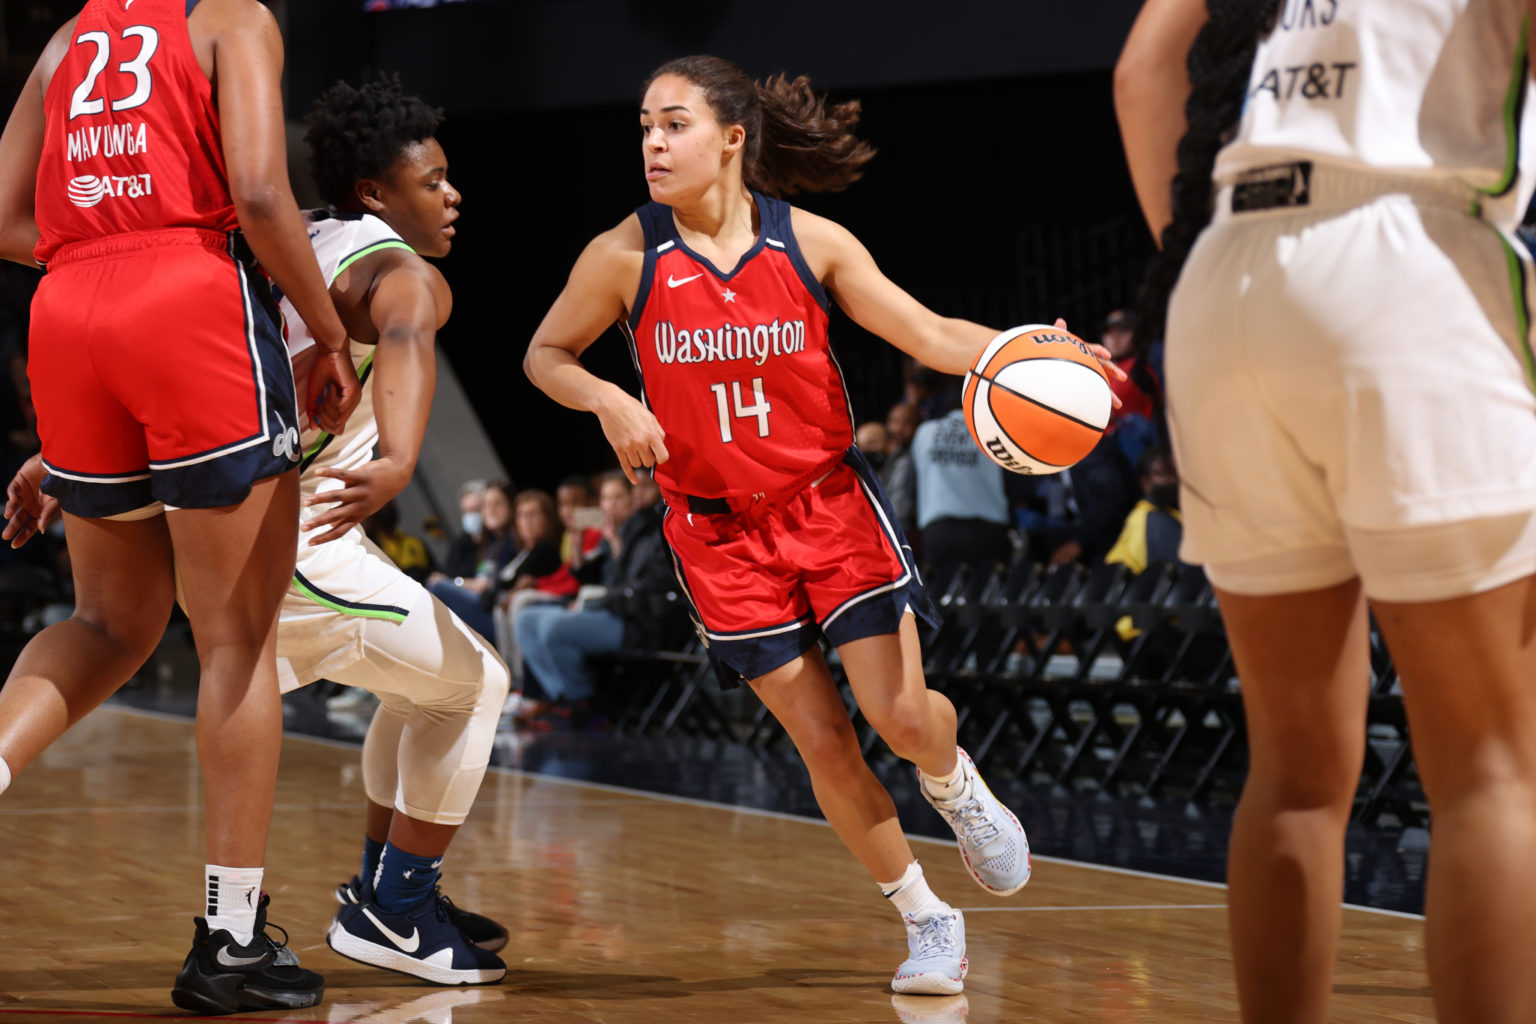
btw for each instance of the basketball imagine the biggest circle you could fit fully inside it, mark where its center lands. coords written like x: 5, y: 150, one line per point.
x: 1037, y: 400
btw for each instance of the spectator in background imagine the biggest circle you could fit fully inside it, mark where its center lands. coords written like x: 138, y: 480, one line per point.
x: 873, y: 441
x: 471, y: 595
x: 464, y: 553
x: 615, y: 500
x: 1075, y: 515
x: 406, y: 550
x: 1152, y: 531
x: 580, y: 520
x: 961, y: 506
x: 640, y: 608
x: 536, y: 574
x: 896, y: 475
x: 1134, y: 424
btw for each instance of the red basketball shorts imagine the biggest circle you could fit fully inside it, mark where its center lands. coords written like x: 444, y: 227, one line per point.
x: 159, y: 372
x: 767, y: 582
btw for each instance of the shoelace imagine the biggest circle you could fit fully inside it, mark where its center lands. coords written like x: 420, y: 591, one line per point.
x: 282, y: 956
x: 936, y: 935
x: 978, y: 826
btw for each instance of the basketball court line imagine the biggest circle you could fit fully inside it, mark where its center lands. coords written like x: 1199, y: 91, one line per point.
x: 760, y: 813
x: 1127, y: 906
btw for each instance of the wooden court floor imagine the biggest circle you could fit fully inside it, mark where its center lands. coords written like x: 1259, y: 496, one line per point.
x: 624, y: 909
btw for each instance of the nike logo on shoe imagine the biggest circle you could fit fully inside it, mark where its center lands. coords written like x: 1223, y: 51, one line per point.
x: 406, y: 945
x: 223, y: 958
x: 673, y: 282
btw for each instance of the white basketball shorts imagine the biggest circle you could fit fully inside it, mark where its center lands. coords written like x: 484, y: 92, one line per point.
x: 1349, y: 393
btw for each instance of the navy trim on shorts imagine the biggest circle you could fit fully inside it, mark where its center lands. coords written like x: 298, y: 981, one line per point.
x: 111, y: 495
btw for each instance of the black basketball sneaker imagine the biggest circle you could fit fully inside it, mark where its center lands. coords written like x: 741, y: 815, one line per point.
x: 222, y: 976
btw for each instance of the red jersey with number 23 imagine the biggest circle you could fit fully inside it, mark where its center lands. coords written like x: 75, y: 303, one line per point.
x: 132, y: 139
x: 735, y: 365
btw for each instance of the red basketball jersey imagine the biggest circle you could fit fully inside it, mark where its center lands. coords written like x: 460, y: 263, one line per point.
x: 132, y: 138
x: 736, y: 366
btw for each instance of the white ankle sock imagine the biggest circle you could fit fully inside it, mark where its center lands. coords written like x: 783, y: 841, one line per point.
x: 5, y: 775
x: 910, y: 894
x: 946, y: 787
x: 232, y: 897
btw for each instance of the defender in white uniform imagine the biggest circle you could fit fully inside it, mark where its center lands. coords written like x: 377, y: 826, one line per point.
x: 1349, y: 390
x: 351, y: 615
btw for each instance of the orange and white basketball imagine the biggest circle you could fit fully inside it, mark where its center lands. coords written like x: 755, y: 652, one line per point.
x: 1037, y: 399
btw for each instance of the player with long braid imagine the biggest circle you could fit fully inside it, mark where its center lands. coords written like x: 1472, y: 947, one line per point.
x: 1350, y: 398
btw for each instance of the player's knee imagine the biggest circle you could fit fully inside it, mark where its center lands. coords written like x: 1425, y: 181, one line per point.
x: 828, y: 748
x: 495, y: 681
x: 904, y: 725
x: 135, y: 629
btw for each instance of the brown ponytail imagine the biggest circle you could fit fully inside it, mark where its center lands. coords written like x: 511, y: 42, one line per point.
x: 795, y: 141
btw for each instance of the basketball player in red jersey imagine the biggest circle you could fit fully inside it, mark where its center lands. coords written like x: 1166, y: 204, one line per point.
x: 151, y: 130
x: 779, y: 528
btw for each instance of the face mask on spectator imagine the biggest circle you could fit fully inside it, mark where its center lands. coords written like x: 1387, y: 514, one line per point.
x: 473, y: 523
x: 1164, y: 495
x: 876, y: 459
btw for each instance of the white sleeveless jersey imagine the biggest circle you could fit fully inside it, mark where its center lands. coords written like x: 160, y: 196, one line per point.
x: 339, y: 240
x: 1436, y: 88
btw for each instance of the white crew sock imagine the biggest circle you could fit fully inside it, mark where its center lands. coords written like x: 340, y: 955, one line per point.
x: 910, y: 894
x: 5, y: 775
x: 232, y: 897
x: 946, y: 787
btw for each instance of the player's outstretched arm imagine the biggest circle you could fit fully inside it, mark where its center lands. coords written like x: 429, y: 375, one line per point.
x: 21, y: 150
x: 1151, y: 88
x: 594, y: 299
x: 248, y: 67
x: 408, y: 301
x: 877, y: 304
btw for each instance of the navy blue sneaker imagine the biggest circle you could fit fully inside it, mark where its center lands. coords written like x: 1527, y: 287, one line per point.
x: 477, y: 928
x: 421, y: 942
x: 222, y: 976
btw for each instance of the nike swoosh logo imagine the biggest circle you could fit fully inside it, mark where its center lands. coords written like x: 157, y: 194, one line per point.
x: 673, y: 282
x: 406, y: 945
x: 223, y: 957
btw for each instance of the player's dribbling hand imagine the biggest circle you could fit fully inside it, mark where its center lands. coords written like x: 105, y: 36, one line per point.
x: 635, y: 434
x: 367, y: 489
x: 28, y: 511
x: 1106, y: 360
x: 334, y: 391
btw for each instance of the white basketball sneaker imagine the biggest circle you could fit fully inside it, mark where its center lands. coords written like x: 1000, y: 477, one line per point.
x: 937, y: 964
x: 992, y: 842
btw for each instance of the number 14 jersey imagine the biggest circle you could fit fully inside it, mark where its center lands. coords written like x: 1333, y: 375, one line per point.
x: 735, y: 364
x: 132, y: 140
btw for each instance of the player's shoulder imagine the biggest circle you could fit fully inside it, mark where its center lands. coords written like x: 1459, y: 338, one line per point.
x: 816, y: 230
x: 626, y: 238
x: 238, y: 15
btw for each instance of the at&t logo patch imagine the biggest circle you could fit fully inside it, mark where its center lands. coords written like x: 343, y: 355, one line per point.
x: 88, y: 190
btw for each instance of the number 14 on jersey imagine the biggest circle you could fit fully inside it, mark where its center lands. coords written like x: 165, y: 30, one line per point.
x: 758, y: 410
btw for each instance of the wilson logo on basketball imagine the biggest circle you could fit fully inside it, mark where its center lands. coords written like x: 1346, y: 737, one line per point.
x: 88, y: 190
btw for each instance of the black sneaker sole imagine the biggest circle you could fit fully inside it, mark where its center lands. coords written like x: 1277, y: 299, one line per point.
x: 229, y: 993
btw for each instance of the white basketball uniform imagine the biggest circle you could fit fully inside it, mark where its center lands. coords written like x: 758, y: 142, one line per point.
x: 1349, y: 348
x: 353, y: 617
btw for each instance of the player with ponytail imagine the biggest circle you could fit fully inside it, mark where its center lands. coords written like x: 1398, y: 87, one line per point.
x: 1350, y: 401
x: 780, y: 532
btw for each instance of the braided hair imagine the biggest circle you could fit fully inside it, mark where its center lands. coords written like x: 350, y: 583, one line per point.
x: 1219, y: 64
